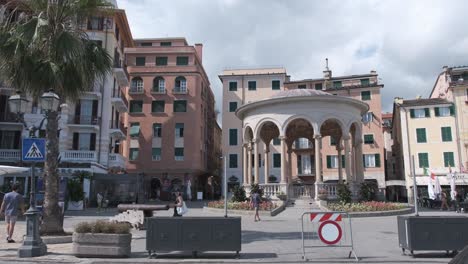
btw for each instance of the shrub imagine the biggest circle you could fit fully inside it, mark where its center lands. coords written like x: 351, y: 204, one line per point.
x: 75, y: 190
x: 254, y: 187
x: 344, y: 194
x: 263, y: 206
x: 103, y: 227
x: 368, y: 191
x: 238, y: 194
x: 365, y: 206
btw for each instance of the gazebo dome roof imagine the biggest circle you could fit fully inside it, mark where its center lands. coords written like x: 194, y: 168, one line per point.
x: 300, y: 92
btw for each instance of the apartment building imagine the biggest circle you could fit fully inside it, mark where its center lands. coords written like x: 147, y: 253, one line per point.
x: 171, y: 117
x: 244, y: 86
x: 91, y: 129
x: 452, y: 84
x: 424, y: 129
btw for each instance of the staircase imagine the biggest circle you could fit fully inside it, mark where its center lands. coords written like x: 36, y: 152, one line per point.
x: 296, y: 207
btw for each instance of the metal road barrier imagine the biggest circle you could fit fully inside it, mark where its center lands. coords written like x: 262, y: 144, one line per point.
x: 327, y: 229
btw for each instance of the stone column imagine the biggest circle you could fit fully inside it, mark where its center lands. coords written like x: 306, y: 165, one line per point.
x: 283, y: 159
x: 347, y: 159
x: 256, y: 165
x: 289, y: 178
x: 340, y: 162
x: 318, y: 158
x: 244, y: 163
x: 359, y: 162
x: 267, y: 163
x: 249, y: 163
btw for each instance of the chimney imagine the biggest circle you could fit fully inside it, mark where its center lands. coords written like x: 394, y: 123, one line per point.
x: 373, y: 72
x: 327, y: 73
x: 418, y: 97
x: 445, y: 68
x: 199, y: 49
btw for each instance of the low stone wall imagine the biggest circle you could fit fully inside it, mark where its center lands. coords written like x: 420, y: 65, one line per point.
x: 102, y: 245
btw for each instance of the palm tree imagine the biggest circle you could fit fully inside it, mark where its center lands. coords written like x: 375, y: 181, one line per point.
x: 43, y: 46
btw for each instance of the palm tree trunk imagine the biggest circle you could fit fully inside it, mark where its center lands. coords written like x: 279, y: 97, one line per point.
x: 52, y: 215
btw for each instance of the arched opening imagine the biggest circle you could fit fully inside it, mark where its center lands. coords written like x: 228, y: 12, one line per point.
x: 137, y: 85
x: 180, y: 85
x: 159, y: 85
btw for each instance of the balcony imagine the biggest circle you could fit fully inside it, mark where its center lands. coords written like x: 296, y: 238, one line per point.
x: 136, y: 90
x: 116, y: 161
x: 120, y: 103
x: 157, y: 90
x: 79, y: 156
x: 121, y: 74
x: 10, y: 154
x: 180, y: 90
x: 117, y: 130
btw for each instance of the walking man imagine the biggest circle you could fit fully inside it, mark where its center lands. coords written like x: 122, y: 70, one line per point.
x: 11, y: 202
x: 255, y: 203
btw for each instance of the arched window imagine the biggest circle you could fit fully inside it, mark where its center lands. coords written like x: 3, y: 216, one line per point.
x: 180, y: 85
x: 159, y: 85
x: 137, y: 85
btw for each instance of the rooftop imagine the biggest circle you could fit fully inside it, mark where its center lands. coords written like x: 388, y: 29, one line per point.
x: 300, y: 93
x: 256, y: 71
x: 424, y: 102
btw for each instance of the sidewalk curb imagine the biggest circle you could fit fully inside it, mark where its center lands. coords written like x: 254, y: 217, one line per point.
x: 49, y: 240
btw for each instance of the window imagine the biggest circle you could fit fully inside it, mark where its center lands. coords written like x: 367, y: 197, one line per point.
x: 180, y: 106
x: 134, y: 130
x: 302, y: 86
x: 419, y: 113
x: 179, y: 130
x: 252, y: 85
x: 446, y: 133
x: 10, y: 139
x: 159, y: 85
x: 84, y: 141
x: 232, y: 86
x: 337, y: 84
x: 156, y: 154
x: 232, y: 137
x: 232, y: 161
x: 136, y: 85
x: 444, y: 111
x: 180, y: 85
x: 318, y: 86
x: 157, y: 130
x: 276, y: 160
x: 365, y: 95
x: 423, y: 160
x: 232, y: 106
x: 166, y: 44
x: 275, y: 85
x: 371, y: 160
x: 136, y: 106
x: 368, y: 117
x: 276, y: 141
x: 365, y: 82
x: 421, y: 135
x: 332, y: 161
x: 133, y: 153
x: 332, y: 141
x: 95, y: 23
x: 448, y: 159
x: 140, y: 61
x: 146, y: 44
x: 161, y: 61
x: 369, y: 139
x: 158, y: 106
x: 182, y: 60
x: 179, y: 154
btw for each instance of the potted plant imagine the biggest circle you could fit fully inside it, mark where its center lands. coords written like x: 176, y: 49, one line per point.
x: 102, y: 239
x: 75, y: 194
x: 322, y: 194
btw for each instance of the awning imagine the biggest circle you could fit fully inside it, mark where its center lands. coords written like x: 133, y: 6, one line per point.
x: 11, y: 169
x: 135, y: 131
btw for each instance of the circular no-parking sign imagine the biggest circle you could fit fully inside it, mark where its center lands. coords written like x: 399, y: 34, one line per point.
x: 330, y: 232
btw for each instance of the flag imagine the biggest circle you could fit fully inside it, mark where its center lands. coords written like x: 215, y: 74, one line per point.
x: 450, y: 169
x: 433, y: 175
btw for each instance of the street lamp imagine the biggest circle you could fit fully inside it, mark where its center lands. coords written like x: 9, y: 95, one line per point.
x: 32, y: 243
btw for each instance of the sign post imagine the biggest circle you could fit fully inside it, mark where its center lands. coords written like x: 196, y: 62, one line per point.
x: 33, y: 150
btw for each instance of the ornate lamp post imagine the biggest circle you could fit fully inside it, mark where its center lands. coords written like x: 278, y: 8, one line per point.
x: 32, y: 243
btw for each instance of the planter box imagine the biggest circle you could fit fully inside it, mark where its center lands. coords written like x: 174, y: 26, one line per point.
x: 75, y: 206
x: 91, y: 245
x: 443, y: 233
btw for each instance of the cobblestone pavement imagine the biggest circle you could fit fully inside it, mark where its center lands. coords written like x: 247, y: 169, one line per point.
x: 272, y: 240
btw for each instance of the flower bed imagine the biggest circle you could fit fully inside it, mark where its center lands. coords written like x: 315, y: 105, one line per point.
x: 264, y: 206
x: 372, y: 206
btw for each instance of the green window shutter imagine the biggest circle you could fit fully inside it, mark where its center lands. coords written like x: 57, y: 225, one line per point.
x: 369, y: 139
x: 446, y: 134
x: 252, y: 85
x: 233, y: 137
x: 276, y: 160
x: 318, y: 86
x: 232, y: 160
x: 436, y: 111
x: 421, y: 135
x: 365, y: 82
x: 423, y: 160
x: 140, y: 61
x: 343, y: 161
x: 377, y: 160
x: 452, y: 110
x: 365, y: 95
x: 182, y: 60
x: 161, y: 61
x: 448, y: 159
x: 232, y: 106
x: 364, y: 160
x: 232, y: 86
x: 426, y: 112
x: 329, y: 161
x: 135, y: 130
x: 275, y: 85
x: 412, y: 115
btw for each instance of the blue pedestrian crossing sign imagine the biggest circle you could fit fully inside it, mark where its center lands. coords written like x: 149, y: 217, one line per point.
x: 33, y: 149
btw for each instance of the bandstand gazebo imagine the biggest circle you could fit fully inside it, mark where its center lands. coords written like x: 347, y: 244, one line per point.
x: 303, y: 114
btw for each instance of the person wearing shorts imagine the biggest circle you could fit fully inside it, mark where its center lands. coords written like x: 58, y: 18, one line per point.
x: 12, y: 201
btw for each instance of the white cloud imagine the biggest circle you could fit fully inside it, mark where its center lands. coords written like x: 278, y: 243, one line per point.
x: 407, y: 42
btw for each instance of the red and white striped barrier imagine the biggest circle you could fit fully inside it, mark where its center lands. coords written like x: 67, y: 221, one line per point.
x: 321, y: 217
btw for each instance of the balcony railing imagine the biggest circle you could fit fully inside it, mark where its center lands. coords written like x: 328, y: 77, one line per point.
x: 86, y: 120
x: 136, y: 90
x: 8, y: 117
x: 10, y: 154
x: 180, y: 90
x: 157, y: 90
x: 79, y: 156
x: 116, y: 160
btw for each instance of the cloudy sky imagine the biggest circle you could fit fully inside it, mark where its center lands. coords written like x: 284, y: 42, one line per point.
x: 407, y: 42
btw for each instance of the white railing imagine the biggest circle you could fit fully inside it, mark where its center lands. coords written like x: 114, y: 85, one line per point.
x: 10, y: 154
x: 79, y: 156
x: 331, y: 188
x: 116, y: 160
x: 299, y: 191
x: 273, y: 189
